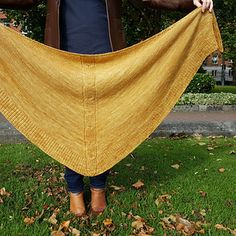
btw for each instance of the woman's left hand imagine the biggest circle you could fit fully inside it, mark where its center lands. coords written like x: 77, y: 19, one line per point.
x: 204, y: 4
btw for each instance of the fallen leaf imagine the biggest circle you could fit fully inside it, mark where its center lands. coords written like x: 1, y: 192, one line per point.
x: 116, y: 187
x: 150, y: 230
x: 188, y: 227
x: 220, y: 226
x: 179, y: 226
x: 52, y: 219
x: 123, y: 214
x: 128, y: 164
x: 137, y: 224
x: 221, y: 170
x: 1, y: 201
x: 203, y: 212
x: 3, y: 192
x: 162, y: 198
x: 108, y: 222
x: 65, y: 224
x: 202, y: 144
x: 74, y: 231
x: 203, y: 194
x: 29, y: 220
x: 201, y: 231
x: 175, y: 166
x: 57, y: 233
x: 129, y: 215
x: 183, y: 221
x: 183, y: 226
x: 233, y: 232
x: 142, y: 168
x: 197, y: 136
x: 140, y: 227
x: 138, y: 184
x: 232, y: 152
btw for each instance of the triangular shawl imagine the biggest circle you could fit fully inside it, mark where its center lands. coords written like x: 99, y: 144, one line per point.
x: 90, y: 111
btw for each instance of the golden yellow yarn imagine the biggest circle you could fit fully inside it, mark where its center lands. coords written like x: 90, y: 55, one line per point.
x: 90, y: 111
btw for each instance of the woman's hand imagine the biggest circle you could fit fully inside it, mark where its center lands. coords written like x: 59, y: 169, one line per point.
x: 204, y: 4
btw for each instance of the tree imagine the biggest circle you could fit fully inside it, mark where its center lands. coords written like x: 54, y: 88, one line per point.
x: 32, y: 20
x: 226, y: 17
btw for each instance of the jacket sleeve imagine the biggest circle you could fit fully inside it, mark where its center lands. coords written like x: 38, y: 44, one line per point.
x: 168, y: 4
x: 18, y: 4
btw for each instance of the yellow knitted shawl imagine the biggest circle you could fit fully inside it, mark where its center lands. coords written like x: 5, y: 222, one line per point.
x: 90, y: 111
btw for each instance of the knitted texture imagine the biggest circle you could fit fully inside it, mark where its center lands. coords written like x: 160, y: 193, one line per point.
x: 90, y: 111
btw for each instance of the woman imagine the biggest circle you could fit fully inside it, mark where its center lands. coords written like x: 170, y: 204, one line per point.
x: 87, y: 26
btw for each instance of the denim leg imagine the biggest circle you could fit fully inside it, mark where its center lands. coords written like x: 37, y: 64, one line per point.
x: 99, y: 181
x: 75, y: 183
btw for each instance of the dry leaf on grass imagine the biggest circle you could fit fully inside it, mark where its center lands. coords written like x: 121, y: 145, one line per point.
x: 202, y: 144
x: 29, y: 220
x: 203, y: 194
x: 3, y: 192
x: 64, y: 225
x: 184, y: 226
x: 57, y: 233
x: 232, y: 152
x: 233, y: 232
x: 220, y: 226
x: 221, y: 170
x: 117, y: 188
x: 52, y: 219
x: 138, y: 184
x: 137, y: 224
x: 142, y: 168
x: 140, y: 227
x: 175, y: 166
x: 128, y: 164
x: 162, y: 198
x: 108, y: 223
x: 197, y: 136
x: 74, y: 231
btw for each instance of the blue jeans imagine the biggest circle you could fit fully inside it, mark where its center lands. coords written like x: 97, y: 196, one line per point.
x: 75, y: 183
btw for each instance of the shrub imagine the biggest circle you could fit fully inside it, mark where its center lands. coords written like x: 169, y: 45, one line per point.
x: 201, y: 83
x: 225, y: 89
x: 207, y: 99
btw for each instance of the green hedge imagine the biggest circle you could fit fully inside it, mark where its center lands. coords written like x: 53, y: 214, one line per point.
x: 207, y: 99
x: 224, y: 89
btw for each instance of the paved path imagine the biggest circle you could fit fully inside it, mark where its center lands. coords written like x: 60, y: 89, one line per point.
x: 202, y: 116
x: 205, y: 123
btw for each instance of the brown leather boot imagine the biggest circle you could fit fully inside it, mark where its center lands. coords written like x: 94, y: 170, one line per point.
x: 98, y: 201
x: 77, y: 205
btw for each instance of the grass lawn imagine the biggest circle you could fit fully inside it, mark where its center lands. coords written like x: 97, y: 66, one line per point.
x: 189, y: 186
